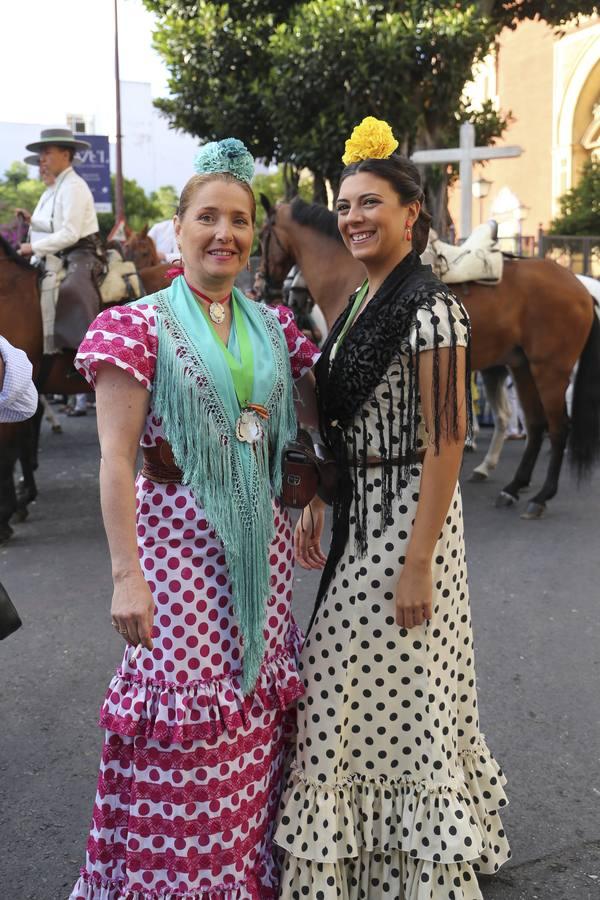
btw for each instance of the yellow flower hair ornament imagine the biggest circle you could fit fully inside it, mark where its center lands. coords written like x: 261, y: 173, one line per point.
x: 372, y: 139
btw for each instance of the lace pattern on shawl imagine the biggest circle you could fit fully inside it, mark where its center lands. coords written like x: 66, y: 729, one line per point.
x: 379, y: 338
x: 206, y: 449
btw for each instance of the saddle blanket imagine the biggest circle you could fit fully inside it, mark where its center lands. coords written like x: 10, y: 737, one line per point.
x: 478, y: 259
x: 121, y: 281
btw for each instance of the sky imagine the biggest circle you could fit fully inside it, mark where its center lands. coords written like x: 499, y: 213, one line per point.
x: 57, y: 57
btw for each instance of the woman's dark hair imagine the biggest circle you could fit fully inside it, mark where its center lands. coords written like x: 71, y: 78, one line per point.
x: 404, y: 177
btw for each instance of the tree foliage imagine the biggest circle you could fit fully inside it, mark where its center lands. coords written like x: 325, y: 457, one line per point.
x: 140, y: 208
x: 291, y: 79
x: 580, y: 207
x: 17, y: 189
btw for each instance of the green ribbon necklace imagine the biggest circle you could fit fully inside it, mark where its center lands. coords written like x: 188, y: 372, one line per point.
x: 360, y: 296
x: 242, y: 369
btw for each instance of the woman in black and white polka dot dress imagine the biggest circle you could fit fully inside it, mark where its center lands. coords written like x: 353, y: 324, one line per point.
x: 393, y: 794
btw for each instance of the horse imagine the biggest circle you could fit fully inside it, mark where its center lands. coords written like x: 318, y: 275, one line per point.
x: 15, y: 232
x: 494, y: 380
x: 21, y: 324
x: 538, y: 321
x: 141, y: 250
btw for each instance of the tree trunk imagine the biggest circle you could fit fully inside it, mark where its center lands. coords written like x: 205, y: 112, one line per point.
x: 319, y: 189
x: 334, y: 184
x: 435, y: 185
x: 291, y: 180
x: 436, y: 200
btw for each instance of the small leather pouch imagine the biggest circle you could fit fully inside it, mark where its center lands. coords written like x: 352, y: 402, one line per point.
x: 308, y: 469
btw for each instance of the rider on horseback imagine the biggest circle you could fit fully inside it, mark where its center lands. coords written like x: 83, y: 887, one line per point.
x: 65, y: 236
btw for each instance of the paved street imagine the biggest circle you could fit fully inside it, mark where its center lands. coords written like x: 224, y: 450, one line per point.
x: 535, y: 591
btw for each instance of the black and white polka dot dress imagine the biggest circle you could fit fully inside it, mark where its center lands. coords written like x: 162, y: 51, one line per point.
x: 394, y: 794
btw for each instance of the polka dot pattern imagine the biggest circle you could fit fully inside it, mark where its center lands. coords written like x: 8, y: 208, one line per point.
x: 393, y: 793
x: 192, y: 769
x: 189, y: 685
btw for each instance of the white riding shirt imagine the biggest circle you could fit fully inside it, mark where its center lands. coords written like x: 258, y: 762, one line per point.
x: 64, y: 214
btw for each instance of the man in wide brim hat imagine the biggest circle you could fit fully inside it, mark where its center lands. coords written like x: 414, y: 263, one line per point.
x: 58, y: 137
x: 64, y: 234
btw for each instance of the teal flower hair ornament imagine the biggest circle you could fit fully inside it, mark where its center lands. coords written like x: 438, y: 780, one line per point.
x: 228, y: 155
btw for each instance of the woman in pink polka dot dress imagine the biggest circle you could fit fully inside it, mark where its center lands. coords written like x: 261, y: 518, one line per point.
x: 192, y: 761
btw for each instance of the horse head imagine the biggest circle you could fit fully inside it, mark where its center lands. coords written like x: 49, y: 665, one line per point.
x: 141, y: 249
x: 15, y: 232
x: 276, y: 252
x: 8, y: 253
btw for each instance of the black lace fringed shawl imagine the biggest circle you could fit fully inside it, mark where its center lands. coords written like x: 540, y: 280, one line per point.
x: 379, y: 337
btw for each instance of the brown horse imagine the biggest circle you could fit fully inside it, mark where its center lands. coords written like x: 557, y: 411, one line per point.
x: 141, y: 249
x: 538, y: 321
x: 21, y: 324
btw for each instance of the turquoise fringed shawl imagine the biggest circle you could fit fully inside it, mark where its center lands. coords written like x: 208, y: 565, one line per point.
x: 233, y: 481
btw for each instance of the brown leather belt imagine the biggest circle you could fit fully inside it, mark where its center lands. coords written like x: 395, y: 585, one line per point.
x: 159, y: 464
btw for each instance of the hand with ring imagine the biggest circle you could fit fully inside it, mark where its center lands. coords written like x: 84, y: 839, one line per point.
x: 132, y: 610
x: 414, y: 596
x: 307, y: 536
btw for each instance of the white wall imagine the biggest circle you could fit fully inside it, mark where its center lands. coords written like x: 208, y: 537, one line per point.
x: 13, y: 137
x: 153, y: 154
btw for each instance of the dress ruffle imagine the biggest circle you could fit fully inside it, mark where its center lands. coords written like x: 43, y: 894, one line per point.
x: 417, y: 831
x: 260, y: 886
x: 402, y: 878
x: 200, y: 710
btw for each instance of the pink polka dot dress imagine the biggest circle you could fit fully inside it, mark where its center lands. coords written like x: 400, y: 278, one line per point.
x: 191, y: 769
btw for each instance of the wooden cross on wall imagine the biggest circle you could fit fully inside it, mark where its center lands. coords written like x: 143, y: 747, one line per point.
x: 466, y: 155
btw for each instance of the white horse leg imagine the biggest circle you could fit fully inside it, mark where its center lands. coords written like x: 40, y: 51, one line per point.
x: 50, y: 416
x: 493, y: 380
x: 471, y: 443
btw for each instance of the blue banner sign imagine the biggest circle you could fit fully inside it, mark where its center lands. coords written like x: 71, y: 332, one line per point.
x: 94, y: 167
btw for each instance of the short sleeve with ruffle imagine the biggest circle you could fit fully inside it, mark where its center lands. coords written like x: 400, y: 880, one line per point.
x: 124, y: 336
x: 303, y: 353
x: 436, y: 323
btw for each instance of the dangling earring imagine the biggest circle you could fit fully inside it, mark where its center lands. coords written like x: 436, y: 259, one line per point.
x: 408, y: 233
x: 248, y: 266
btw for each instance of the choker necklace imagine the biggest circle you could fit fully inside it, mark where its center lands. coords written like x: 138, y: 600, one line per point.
x: 216, y: 310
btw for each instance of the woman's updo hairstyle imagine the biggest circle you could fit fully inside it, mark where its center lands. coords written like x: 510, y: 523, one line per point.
x: 404, y: 177
x: 197, y: 181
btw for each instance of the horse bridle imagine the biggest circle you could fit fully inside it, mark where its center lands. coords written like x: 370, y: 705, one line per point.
x: 272, y: 290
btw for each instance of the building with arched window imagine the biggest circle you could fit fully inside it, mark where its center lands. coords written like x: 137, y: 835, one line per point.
x: 550, y: 83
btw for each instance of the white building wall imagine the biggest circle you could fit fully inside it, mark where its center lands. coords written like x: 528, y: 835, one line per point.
x: 153, y: 154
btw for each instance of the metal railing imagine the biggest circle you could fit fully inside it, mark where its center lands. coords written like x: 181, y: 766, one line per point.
x: 519, y: 244
x: 579, y: 253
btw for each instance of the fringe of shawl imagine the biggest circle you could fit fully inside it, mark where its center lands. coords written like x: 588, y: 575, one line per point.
x: 384, y: 331
x: 206, y: 449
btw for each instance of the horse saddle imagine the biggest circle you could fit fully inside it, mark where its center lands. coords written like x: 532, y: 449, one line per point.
x: 477, y: 259
x: 121, y: 281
